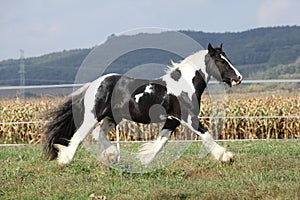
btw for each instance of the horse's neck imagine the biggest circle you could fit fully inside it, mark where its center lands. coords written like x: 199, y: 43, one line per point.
x: 197, y: 62
x: 197, y: 59
x: 189, y: 74
x: 191, y: 80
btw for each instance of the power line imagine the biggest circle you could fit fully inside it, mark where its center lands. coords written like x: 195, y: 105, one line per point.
x: 22, y: 73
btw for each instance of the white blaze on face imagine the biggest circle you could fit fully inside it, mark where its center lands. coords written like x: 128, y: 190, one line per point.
x: 235, y: 70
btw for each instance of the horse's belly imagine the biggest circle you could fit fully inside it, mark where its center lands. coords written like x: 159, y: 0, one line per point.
x: 147, y: 113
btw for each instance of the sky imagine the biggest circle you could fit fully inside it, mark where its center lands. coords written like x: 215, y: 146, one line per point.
x: 44, y: 26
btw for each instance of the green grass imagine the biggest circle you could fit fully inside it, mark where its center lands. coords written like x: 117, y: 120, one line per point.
x: 262, y: 170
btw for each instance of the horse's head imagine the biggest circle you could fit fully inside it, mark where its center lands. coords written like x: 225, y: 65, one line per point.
x: 220, y: 67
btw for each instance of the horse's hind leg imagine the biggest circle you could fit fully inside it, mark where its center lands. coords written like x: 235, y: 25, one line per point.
x: 149, y: 150
x: 66, y: 153
x: 108, y: 153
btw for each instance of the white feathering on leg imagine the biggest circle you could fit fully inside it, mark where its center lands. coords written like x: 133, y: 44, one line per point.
x: 218, y: 152
x: 64, y: 156
x: 146, y: 153
x: 149, y: 150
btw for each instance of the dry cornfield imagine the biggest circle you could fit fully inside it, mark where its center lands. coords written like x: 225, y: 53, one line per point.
x: 34, y: 109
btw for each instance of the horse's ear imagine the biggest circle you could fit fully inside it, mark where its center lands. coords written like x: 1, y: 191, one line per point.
x: 211, y: 50
x: 221, y: 45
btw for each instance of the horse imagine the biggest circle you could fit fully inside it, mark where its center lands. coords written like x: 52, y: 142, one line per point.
x: 174, y: 99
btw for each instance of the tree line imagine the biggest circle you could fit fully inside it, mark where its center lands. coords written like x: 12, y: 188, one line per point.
x: 262, y: 53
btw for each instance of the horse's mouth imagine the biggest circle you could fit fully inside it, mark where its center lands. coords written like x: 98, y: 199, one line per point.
x: 236, y: 82
x: 233, y: 82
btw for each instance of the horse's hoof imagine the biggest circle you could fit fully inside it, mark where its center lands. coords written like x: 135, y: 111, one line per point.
x: 110, y: 155
x: 63, y: 156
x: 221, y: 155
x: 228, y: 157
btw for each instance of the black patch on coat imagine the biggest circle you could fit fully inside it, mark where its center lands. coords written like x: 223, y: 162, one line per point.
x: 199, y: 83
x: 102, y: 106
x: 176, y: 74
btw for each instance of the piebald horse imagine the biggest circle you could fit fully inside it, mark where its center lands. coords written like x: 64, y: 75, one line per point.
x: 173, y: 99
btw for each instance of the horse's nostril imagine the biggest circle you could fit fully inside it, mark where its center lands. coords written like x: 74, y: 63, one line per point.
x: 240, y: 78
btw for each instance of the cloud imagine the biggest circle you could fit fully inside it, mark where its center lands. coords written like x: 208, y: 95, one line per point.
x: 41, y: 27
x: 270, y: 11
x: 278, y: 12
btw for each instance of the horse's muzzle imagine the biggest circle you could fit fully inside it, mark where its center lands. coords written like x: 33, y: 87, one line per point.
x: 237, y: 81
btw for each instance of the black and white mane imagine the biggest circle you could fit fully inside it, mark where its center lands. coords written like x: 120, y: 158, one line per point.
x: 173, y: 99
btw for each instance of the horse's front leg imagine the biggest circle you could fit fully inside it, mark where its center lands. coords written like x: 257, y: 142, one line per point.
x: 217, y: 151
x: 149, y: 150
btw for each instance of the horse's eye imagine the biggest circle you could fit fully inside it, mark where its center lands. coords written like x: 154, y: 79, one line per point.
x: 222, y: 61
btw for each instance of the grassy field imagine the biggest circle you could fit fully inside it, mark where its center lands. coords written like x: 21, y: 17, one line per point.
x: 262, y: 170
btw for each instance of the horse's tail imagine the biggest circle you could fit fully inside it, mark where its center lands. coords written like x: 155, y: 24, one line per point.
x: 62, y: 122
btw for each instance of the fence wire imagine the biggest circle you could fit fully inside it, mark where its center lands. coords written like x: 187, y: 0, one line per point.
x: 81, y: 84
x: 202, y: 117
x: 172, y: 141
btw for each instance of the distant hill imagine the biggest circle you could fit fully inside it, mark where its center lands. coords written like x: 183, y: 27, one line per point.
x: 261, y: 53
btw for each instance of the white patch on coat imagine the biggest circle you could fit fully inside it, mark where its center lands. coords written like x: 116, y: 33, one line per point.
x: 188, y: 68
x: 138, y: 96
x: 197, y: 60
x: 148, y: 90
x: 183, y: 84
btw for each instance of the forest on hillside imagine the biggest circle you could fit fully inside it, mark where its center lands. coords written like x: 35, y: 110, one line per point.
x: 262, y: 53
